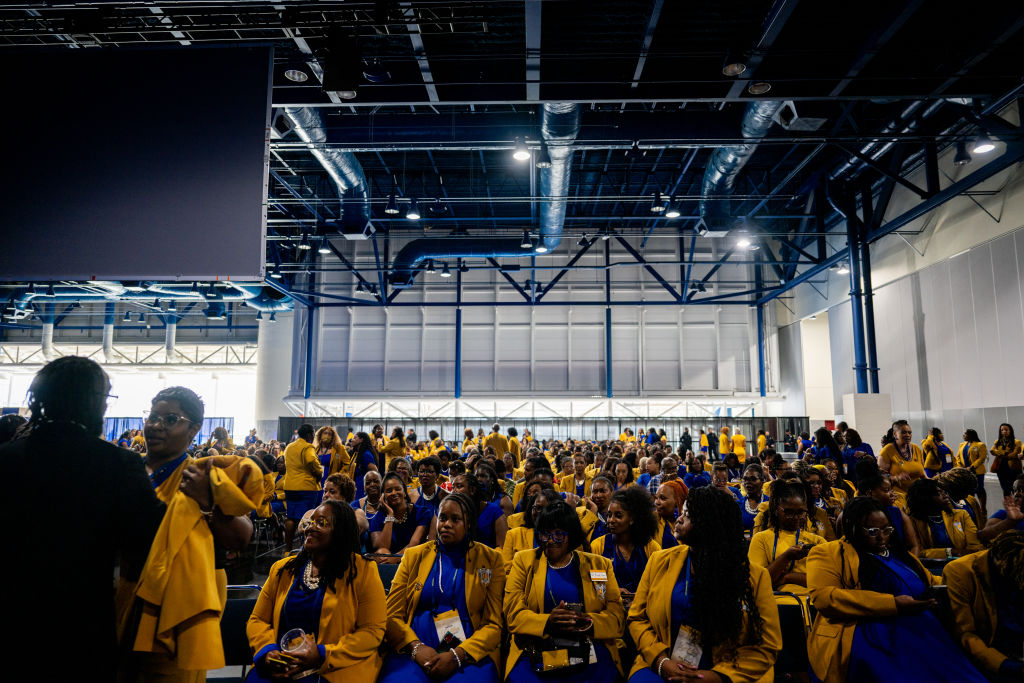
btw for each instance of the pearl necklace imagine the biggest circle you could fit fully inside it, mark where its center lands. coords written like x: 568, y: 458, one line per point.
x: 751, y: 510
x: 884, y: 553
x: 567, y: 563
x: 308, y: 578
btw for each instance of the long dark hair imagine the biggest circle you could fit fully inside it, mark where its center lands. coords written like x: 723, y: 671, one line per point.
x: 366, y: 444
x: 496, y: 491
x: 637, y: 502
x: 341, y: 550
x: 824, y: 439
x: 1009, y: 441
x: 721, y: 581
x: 854, y: 514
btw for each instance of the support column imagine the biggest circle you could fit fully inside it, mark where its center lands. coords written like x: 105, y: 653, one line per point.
x: 458, y: 333
x: 760, y: 350
x: 867, y: 209
x: 273, y: 372
x: 860, y: 365
x: 108, y: 332
x: 607, y: 320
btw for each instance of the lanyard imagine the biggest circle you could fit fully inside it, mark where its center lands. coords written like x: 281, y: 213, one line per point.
x: 440, y: 575
x: 686, y: 577
x: 775, y: 547
x: 161, y: 474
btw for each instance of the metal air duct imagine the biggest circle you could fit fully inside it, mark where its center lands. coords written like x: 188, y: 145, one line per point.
x: 560, y: 124
x: 342, y: 167
x: 726, y: 163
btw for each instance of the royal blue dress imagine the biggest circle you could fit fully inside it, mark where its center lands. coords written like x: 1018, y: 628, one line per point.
x: 362, y: 467
x: 485, y: 526
x: 681, y: 614
x: 908, y: 647
x: 416, y: 516
x: 694, y: 481
x: 444, y: 590
x: 627, y: 572
x: 565, y: 585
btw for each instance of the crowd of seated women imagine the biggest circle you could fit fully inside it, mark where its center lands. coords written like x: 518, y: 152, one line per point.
x: 555, y: 563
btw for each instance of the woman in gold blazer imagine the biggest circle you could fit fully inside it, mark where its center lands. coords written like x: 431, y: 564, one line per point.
x: 444, y: 607
x: 702, y: 610
x: 562, y: 607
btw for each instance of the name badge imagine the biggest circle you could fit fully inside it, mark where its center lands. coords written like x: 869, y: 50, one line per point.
x: 449, y: 629
x: 598, y: 576
x: 686, y: 646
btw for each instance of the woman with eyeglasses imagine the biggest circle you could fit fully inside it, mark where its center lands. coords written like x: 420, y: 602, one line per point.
x: 562, y: 607
x: 398, y: 525
x: 874, y: 620
x: 782, y: 548
x: 629, y: 543
x: 942, y: 531
x: 875, y: 484
x: 330, y: 592
x: 702, y: 610
x: 444, y: 607
x: 522, y: 536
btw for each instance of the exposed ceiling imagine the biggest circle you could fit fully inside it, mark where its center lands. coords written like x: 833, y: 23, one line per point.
x: 443, y: 89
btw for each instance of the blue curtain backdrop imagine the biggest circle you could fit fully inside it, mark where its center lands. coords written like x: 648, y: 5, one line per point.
x: 113, y: 427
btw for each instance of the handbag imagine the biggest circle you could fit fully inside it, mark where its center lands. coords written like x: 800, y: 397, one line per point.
x: 555, y: 654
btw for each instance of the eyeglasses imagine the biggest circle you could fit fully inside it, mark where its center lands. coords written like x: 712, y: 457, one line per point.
x: 169, y: 420
x: 873, y: 531
x: 320, y: 522
x: 554, y: 537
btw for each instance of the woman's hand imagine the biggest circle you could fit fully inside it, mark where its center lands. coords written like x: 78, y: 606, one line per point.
x: 591, y: 505
x: 441, y: 666
x: 195, y: 483
x: 306, y: 657
x: 271, y: 664
x: 424, y: 655
x: 385, y: 508
x: 797, y: 552
x: 677, y: 670
x: 1013, y: 511
x: 561, y: 618
x: 905, y: 604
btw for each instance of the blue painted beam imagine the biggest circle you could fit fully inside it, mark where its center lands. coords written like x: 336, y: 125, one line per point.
x: 640, y: 259
x: 608, y: 351
x: 561, y: 273
x: 274, y: 284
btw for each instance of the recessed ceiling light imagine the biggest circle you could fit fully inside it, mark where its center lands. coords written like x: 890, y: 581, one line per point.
x: 521, y: 153
x: 743, y: 242
x: 734, y: 69
x: 296, y: 75
x: 982, y: 145
x: 759, y: 88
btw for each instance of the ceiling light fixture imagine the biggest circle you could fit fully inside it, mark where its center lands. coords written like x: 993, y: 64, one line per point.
x: 463, y: 268
x: 521, y: 153
x: 375, y: 72
x: 543, y: 158
x: 276, y: 273
x: 541, y: 249
x: 324, y: 247
x: 526, y: 242
x: 439, y: 208
x: 657, y: 205
x: 983, y: 145
x: 702, y: 229
x: 142, y: 318
x: 444, y: 271
x: 49, y: 290
x: 259, y: 315
x: 304, y: 242
x: 296, y: 75
x: 672, y: 210
x: 962, y: 157
x: 843, y: 269
x: 127, y: 317
x: 273, y: 317
x: 743, y: 242
x: 430, y: 266
x: 734, y: 69
x: 583, y: 241
x: 392, y: 207
x: 413, y: 212
x: 759, y: 88
x: 360, y: 289
x: 606, y: 235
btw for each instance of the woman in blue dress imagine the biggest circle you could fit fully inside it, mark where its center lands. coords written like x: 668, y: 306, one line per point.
x: 491, y: 487
x: 871, y: 584
x: 399, y: 524
x: 855, y: 450
x: 630, y: 542
x: 444, y: 607
x: 753, y: 496
x: 364, y: 458
x: 876, y: 484
x: 562, y: 607
x: 492, y: 525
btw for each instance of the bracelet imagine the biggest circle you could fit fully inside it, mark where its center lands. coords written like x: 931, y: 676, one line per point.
x: 458, y: 662
x: 389, y: 518
x: 949, y: 553
x: 661, y: 664
x: 412, y: 653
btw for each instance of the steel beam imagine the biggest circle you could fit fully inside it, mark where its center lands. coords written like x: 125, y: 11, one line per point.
x: 640, y: 259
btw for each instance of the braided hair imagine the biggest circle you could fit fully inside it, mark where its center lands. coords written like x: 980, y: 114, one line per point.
x: 470, y: 512
x: 69, y: 389
x: 1006, y: 557
x: 721, y: 582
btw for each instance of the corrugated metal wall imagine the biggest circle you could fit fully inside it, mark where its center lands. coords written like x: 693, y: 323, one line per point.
x: 950, y: 342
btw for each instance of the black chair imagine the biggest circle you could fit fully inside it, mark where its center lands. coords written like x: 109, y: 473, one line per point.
x: 241, y: 600
x: 794, y: 616
x: 387, y: 571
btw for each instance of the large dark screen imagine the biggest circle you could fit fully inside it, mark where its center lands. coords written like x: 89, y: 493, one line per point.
x: 134, y: 164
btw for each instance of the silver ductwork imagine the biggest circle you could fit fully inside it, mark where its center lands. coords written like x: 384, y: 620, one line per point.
x: 170, y: 337
x: 560, y: 124
x: 343, y: 168
x: 49, y: 352
x: 906, y: 122
x: 726, y: 163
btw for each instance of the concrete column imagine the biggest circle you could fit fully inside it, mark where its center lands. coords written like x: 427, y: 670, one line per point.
x: 273, y: 372
x: 869, y: 414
